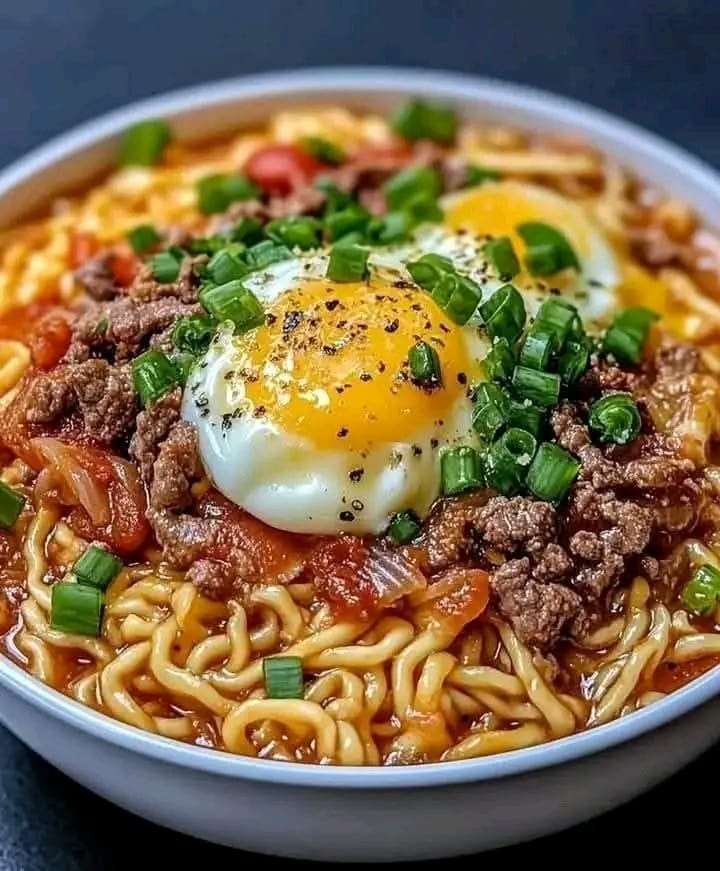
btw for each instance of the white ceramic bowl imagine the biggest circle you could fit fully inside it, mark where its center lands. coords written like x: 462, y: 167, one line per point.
x: 359, y: 814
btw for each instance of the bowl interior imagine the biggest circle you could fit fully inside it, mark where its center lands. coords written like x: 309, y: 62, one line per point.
x: 211, y: 110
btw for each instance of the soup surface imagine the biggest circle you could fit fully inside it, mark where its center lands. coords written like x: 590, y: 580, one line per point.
x: 361, y: 441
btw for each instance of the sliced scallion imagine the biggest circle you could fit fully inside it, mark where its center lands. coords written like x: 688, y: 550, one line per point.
x: 551, y: 473
x: 615, y: 418
x: 144, y: 143
x: 490, y: 411
x: 165, y: 267
x: 500, y: 361
x: 409, y: 184
x: 76, y: 609
x: 299, y: 231
x: 548, y: 250
x: 11, y: 506
x: 626, y: 337
x: 97, y: 567
x: 283, y: 677
x: 508, y: 460
x: 233, y: 302
x: 504, y: 313
x: 541, y: 388
x: 501, y: 255
x: 404, y: 527
x: 154, y: 374
x: 702, y: 592
x: 142, y: 238
x: 537, y: 348
x: 215, y: 193
x: 193, y: 333
x: 424, y: 365
x: 323, y: 150
x: 420, y: 119
x: 460, y: 470
x: 347, y: 262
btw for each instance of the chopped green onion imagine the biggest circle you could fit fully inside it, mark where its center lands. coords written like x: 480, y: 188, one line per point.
x: 283, y: 677
x: 500, y: 361
x: 456, y: 294
x: 299, y: 231
x: 324, y: 151
x: 193, y: 333
x: 76, y: 609
x: 701, y: 593
x: 154, y: 374
x: 11, y: 506
x: 537, y: 348
x: 541, y: 388
x: 504, y: 313
x: 216, y: 193
x: 206, y: 244
x: 502, y: 256
x: 142, y: 238
x: 233, y: 302
x: 423, y: 208
x: 404, y: 527
x: 165, y: 267
x: 335, y: 198
x: 559, y: 318
x: 574, y: 361
x: 419, y: 119
x: 265, y: 253
x: 429, y: 270
x: 410, y: 184
x: 247, y: 230
x: 460, y: 470
x: 144, y: 143
x: 508, y: 459
x: 352, y: 219
x: 615, y: 418
x: 424, y: 365
x: 548, y: 250
x: 551, y: 473
x: 228, y: 264
x: 97, y: 567
x: 348, y: 262
x: 476, y: 175
x: 393, y: 227
x: 524, y: 415
x: 490, y: 411
x: 183, y: 362
x: 626, y: 337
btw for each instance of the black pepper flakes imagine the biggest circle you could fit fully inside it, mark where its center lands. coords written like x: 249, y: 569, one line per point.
x: 365, y: 376
x: 355, y: 475
x: 462, y: 378
x: 393, y: 326
x: 347, y: 516
x: 332, y: 304
x: 357, y: 504
x: 342, y: 432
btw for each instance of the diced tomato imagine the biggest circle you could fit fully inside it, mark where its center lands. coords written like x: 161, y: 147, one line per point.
x: 274, y: 553
x: 128, y: 529
x: 83, y: 246
x: 50, y: 341
x: 455, y: 599
x: 335, y: 567
x: 124, y: 265
x: 17, y: 322
x: 281, y: 169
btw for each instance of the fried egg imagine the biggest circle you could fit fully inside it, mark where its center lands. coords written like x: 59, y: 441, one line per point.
x: 312, y: 422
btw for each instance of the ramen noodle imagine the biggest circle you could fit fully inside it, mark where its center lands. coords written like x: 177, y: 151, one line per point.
x: 361, y: 441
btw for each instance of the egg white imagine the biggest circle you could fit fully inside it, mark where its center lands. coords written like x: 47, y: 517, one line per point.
x: 287, y: 481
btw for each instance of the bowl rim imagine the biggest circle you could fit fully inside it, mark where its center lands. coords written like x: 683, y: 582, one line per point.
x: 358, y: 80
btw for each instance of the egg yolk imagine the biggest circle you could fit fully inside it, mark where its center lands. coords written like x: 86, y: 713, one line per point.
x: 496, y: 209
x: 331, y: 364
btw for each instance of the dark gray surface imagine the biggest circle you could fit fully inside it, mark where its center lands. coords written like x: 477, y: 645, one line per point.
x: 63, y: 61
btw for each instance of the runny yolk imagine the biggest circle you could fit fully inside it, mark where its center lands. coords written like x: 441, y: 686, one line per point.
x: 497, y: 209
x: 331, y: 364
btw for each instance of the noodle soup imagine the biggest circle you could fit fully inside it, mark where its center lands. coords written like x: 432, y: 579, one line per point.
x: 361, y: 441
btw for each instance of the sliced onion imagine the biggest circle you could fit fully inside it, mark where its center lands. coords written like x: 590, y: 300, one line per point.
x: 392, y: 575
x: 74, y: 479
x: 454, y: 599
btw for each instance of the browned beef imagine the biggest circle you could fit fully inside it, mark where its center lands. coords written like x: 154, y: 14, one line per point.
x: 539, y: 612
x: 152, y: 426
x: 121, y: 329
x: 214, y: 579
x: 103, y: 394
x: 96, y: 277
x: 517, y: 524
x: 185, y: 288
x: 176, y: 468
